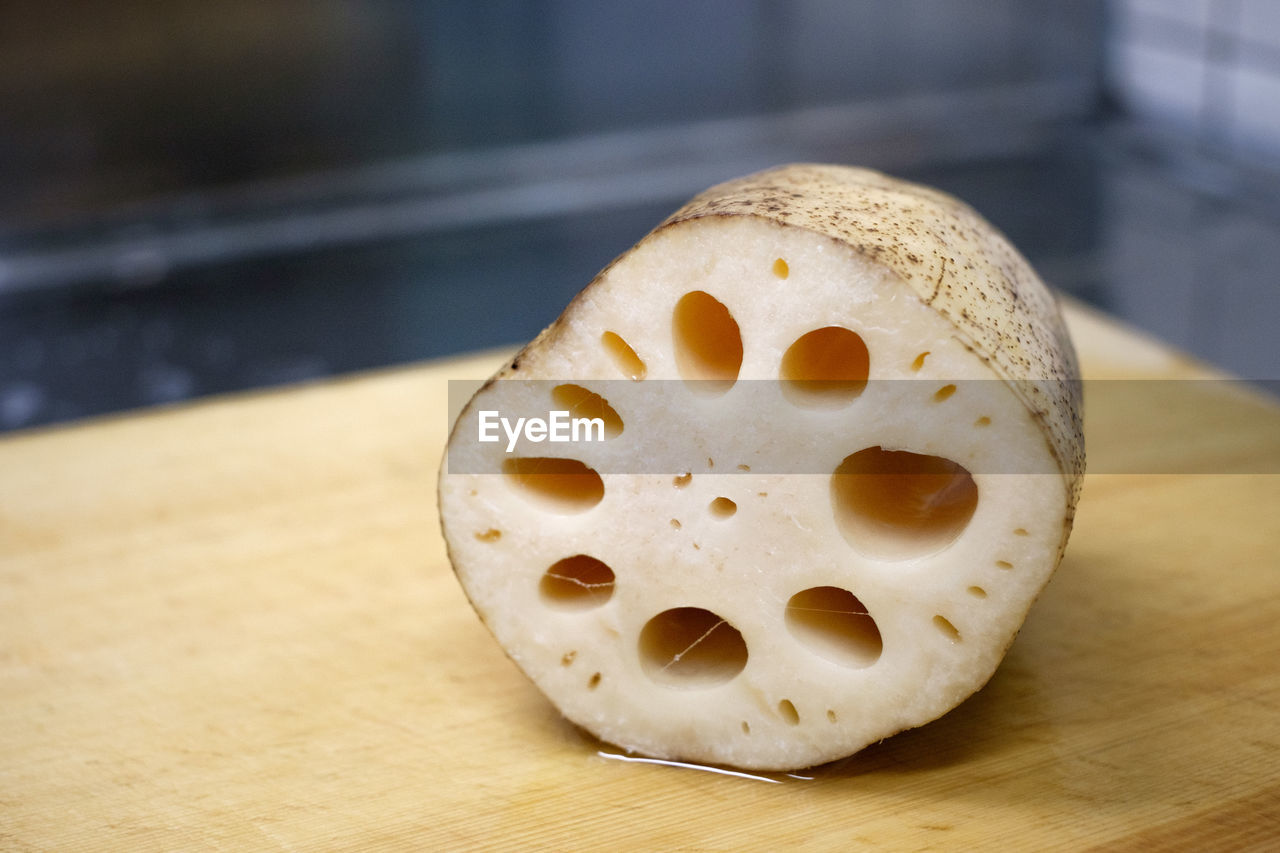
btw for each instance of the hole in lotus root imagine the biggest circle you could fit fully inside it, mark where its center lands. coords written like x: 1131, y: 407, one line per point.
x: 825, y: 368
x: 835, y: 625
x: 943, y: 624
x: 723, y: 508
x: 691, y: 647
x: 554, y: 484
x: 577, y: 583
x: 896, y: 504
x: 581, y: 403
x: 623, y: 355
x: 708, y: 343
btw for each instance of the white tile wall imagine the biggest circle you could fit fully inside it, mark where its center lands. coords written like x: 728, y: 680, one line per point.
x: 1159, y: 84
x: 1194, y: 12
x: 1206, y: 67
x: 1256, y: 115
x: 1260, y: 21
x: 1243, y: 291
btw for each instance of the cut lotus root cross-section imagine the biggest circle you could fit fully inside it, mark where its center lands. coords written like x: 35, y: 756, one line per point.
x: 678, y: 589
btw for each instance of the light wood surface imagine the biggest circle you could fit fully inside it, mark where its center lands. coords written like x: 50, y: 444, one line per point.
x: 232, y: 626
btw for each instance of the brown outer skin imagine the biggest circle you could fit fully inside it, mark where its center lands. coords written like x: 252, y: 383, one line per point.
x: 952, y: 259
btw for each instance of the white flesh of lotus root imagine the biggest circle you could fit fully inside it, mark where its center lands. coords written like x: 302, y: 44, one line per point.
x: 777, y: 621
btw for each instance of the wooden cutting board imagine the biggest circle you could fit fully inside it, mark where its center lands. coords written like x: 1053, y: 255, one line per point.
x: 232, y: 626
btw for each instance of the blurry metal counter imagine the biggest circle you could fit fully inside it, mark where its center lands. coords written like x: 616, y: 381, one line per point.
x: 401, y: 262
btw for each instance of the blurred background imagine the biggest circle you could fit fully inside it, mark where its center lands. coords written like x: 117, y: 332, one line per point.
x: 202, y: 197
